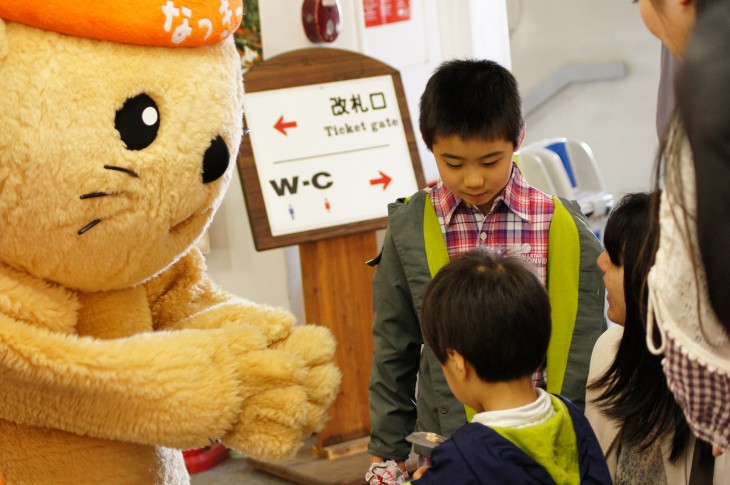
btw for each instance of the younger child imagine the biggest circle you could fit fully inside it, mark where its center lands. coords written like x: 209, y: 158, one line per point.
x: 487, y: 318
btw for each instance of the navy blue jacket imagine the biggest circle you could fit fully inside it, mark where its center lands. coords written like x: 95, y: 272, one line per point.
x: 477, y: 454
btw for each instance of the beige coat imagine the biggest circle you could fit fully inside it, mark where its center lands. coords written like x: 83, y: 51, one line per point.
x: 607, y: 430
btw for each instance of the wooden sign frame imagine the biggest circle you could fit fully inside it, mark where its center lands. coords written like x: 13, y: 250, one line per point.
x: 305, y: 67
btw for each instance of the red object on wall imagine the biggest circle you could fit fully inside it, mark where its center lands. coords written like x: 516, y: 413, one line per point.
x: 381, y: 12
x: 201, y: 459
x: 321, y: 20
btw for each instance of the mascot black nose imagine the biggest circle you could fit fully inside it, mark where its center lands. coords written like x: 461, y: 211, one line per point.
x: 215, y: 161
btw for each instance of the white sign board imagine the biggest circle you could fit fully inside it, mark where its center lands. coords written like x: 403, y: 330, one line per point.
x: 329, y: 154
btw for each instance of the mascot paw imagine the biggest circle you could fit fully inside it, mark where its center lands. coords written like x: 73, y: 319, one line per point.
x: 274, y: 323
x: 287, y: 391
x: 316, y: 346
x: 271, y: 424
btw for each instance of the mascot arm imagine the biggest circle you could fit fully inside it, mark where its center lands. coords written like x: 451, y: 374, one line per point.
x: 178, y: 389
x: 184, y: 297
x: 276, y: 415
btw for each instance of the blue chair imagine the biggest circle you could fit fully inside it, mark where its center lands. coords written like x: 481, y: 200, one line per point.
x: 574, y: 173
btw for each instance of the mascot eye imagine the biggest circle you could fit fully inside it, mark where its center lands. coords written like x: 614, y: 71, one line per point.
x: 138, y: 121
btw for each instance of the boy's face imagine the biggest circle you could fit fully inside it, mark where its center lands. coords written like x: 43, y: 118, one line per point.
x: 475, y: 171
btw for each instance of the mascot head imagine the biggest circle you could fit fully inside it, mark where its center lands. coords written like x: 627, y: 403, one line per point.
x: 119, y: 126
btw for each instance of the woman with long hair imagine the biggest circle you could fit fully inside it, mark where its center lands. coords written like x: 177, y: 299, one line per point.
x: 688, y: 287
x: 640, y: 427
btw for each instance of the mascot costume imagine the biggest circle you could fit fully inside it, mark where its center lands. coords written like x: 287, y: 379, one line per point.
x: 119, y: 125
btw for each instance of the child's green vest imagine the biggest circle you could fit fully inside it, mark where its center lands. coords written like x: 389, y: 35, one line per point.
x: 563, y: 273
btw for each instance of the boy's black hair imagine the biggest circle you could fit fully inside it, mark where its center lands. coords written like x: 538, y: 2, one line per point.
x: 493, y: 310
x: 636, y: 393
x: 472, y: 99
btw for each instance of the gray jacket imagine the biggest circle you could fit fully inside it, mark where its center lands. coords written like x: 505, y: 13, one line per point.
x: 400, y: 359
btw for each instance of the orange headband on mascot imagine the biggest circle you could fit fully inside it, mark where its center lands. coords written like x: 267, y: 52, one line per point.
x: 166, y: 23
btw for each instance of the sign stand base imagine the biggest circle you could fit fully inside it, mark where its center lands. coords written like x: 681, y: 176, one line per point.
x: 337, y: 291
x: 337, y: 288
x: 307, y: 469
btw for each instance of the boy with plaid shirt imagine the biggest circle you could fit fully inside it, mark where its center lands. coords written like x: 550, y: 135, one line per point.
x: 471, y: 120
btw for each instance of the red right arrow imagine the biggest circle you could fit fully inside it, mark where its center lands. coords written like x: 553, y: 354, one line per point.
x: 384, y: 179
x: 282, y: 125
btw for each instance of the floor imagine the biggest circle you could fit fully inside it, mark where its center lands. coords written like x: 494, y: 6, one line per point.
x: 304, y: 469
x: 235, y: 470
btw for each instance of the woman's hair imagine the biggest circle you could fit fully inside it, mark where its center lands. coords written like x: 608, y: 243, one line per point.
x: 704, y: 107
x: 668, y: 171
x: 674, y: 140
x: 636, y: 393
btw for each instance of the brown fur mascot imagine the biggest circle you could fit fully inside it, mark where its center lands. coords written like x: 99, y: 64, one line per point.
x: 119, y: 124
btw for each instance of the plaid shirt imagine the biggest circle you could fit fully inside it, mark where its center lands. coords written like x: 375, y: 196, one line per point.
x: 518, y: 223
x: 702, y: 393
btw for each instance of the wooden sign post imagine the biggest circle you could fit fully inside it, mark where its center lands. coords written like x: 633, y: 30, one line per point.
x: 330, y: 145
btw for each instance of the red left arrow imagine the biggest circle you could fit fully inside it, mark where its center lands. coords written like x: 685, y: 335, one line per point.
x: 384, y: 179
x: 282, y: 125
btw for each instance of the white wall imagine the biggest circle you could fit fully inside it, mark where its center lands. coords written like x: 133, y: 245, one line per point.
x: 616, y: 118
x: 281, y: 27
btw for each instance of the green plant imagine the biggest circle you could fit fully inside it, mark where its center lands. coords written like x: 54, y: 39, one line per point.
x: 248, y: 35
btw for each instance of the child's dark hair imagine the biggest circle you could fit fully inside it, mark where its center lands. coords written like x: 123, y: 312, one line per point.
x: 493, y: 310
x: 636, y: 393
x: 472, y: 99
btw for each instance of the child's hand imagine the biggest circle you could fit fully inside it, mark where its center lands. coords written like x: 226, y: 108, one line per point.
x: 378, y: 459
x: 386, y: 472
x: 419, y: 473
